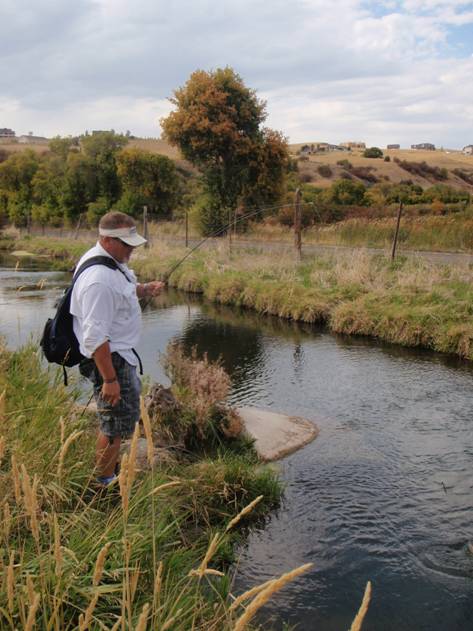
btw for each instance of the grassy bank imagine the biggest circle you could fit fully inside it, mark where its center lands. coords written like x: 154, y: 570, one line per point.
x: 412, y: 302
x: 151, y: 556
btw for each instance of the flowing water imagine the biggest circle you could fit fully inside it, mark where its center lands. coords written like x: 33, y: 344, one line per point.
x: 384, y: 493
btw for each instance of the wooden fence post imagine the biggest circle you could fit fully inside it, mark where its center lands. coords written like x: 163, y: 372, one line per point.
x: 298, y: 223
x: 396, y: 234
x: 187, y: 229
x: 76, y: 233
x: 145, y: 225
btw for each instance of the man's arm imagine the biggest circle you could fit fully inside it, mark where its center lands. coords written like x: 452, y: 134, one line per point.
x: 103, y: 360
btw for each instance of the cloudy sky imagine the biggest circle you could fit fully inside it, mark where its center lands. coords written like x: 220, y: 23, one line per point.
x: 386, y: 71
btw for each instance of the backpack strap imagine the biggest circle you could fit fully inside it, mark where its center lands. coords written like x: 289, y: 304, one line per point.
x: 98, y: 260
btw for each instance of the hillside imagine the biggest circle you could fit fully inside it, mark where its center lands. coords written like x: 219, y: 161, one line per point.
x: 378, y: 169
x: 381, y: 170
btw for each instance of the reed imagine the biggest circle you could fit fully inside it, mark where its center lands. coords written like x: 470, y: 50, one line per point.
x: 148, y: 432
x: 99, y: 563
x: 358, y: 621
x: 264, y: 595
x: 31, y: 620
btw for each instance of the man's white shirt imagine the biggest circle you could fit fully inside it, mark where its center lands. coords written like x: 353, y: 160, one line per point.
x: 105, y: 307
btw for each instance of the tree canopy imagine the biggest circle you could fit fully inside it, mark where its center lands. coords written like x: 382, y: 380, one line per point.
x: 217, y: 126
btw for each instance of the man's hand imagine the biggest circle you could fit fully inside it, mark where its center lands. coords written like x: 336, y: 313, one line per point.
x: 152, y: 289
x: 111, y: 393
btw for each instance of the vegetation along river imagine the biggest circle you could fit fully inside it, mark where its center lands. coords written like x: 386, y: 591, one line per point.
x: 385, y: 493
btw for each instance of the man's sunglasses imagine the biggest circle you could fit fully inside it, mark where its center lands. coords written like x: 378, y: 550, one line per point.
x: 123, y: 242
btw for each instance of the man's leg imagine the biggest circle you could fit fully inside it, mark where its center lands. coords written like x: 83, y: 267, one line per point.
x: 106, y: 454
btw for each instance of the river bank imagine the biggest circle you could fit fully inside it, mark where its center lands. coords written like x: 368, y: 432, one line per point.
x: 410, y: 302
x: 152, y: 551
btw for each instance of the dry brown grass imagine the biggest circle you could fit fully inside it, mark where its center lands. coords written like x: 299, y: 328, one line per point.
x: 442, y: 159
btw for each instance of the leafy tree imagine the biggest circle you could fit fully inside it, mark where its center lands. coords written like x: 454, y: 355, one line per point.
x: 97, y: 209
x: 80, y: 185
x: 48, y: 183
x: 61, y: 146
x: 16, y: 181
x: 216, y: 125
x: 347, y: 193
x: 148, y: 178
x: 267, y: 171
x: 373, y: 152
x: 101, y: 149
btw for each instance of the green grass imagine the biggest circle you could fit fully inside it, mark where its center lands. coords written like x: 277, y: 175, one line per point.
x: 167, y: 532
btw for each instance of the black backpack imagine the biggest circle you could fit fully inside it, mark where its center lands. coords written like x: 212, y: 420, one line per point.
x: 59, y: 343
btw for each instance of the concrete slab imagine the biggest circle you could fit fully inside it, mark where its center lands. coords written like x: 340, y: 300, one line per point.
x: 276, y: 435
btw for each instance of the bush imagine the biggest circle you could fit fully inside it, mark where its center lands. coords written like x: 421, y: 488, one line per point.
x: 306, y: 177
x: 346, y: 164
x: 364, y: 173
x: 324, y: 170
x: 466, y: 176
x: 373, y: 152
x: 96, y: 210
x: 387, y: 159
x: 422, y: 169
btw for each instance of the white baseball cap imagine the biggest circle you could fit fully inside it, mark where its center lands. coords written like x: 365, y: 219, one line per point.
x: 127, y: 234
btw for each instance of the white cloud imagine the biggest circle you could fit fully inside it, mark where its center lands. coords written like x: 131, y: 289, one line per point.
x: 335, y: 70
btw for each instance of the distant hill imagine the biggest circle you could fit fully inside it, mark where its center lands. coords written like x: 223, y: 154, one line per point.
x: 388, y: 171
x: 312, y: 171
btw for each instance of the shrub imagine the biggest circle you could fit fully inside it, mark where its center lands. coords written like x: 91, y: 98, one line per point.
x: 364, y: 173
x: 373, y: 152
x: 306, y: 177
x: 422, y: 169
x: 324, y: 170
x: 466, y: 176
x: 346, y: 164
x: 387, y: 159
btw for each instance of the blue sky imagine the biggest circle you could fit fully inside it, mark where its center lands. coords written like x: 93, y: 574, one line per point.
x: 387, y: 71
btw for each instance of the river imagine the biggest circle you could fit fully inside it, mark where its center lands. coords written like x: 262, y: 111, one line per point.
x: 385, y: 493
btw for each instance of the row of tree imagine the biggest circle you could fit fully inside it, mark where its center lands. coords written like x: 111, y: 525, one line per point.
x: 218, y: 126
x: 90, y: 175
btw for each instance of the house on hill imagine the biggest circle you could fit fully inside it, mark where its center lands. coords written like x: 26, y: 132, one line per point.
x: 5, y: 132
x: 468, y: 150
x: 320, y: 147
x: 29, y: 139
x: 424, y: 146
x: 395, y: 146
x: 353, y: 145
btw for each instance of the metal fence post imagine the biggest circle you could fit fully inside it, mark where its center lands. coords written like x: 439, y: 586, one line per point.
x: 396, y: 234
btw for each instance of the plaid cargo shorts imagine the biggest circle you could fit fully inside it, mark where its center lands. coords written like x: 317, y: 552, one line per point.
x: 119, y: 420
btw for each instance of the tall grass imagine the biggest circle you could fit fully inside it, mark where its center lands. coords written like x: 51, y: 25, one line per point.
x: 149, y: 555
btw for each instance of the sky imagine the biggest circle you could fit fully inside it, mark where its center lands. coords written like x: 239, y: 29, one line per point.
x: 392, y: 71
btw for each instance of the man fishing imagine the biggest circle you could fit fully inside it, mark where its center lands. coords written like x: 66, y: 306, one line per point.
x: 107, y: 323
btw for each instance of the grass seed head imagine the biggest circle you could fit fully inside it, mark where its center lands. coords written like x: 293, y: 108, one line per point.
x: 266, y: 594
x: 358, y: 621
x: 99, y: 563
x: 31, y: 620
